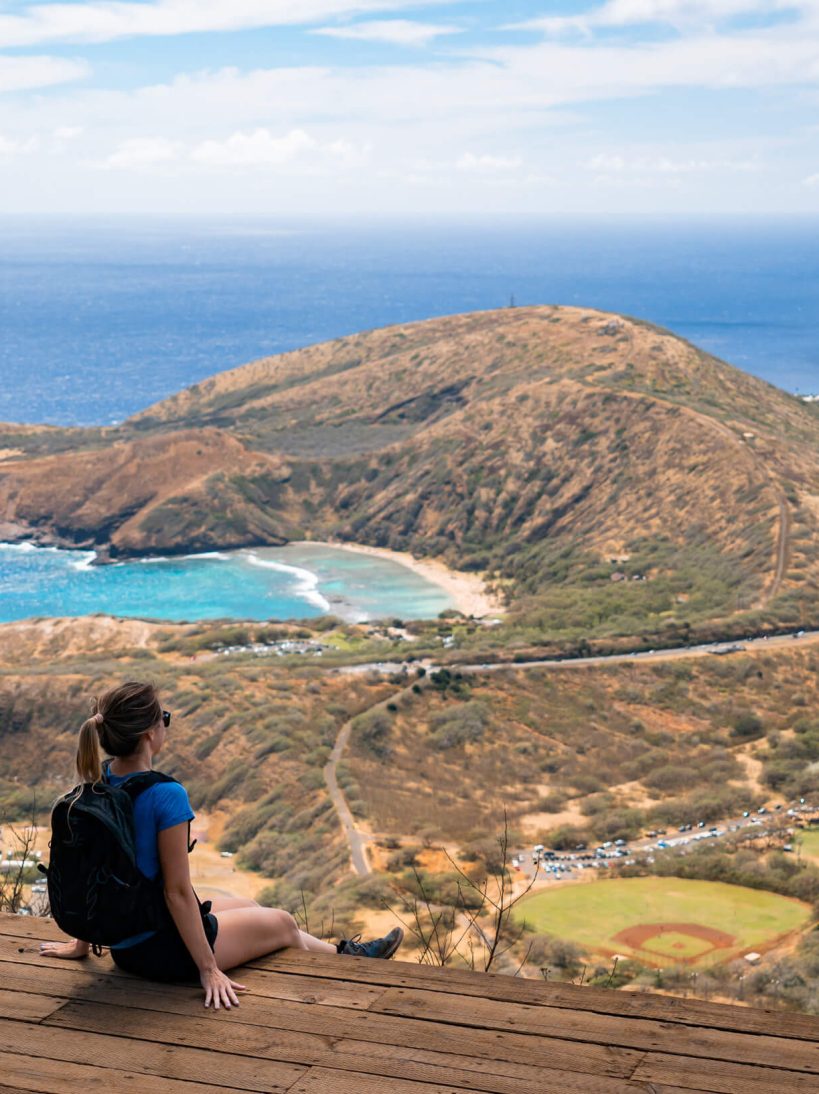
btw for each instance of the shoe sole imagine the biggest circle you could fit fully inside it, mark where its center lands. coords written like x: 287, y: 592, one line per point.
x: 400, y: 938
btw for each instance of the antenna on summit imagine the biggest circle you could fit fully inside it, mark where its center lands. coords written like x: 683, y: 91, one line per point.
x: 512, y: 301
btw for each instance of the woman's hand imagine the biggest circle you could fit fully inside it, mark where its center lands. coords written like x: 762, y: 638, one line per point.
x: 72, y: 950
x: 219, y: 989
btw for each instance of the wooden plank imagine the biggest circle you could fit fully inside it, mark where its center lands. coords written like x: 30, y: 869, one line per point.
x: 442, y: 1031
x: 370, y: 1026
x: 26, y: 951
x: 387, y: 1060
x: 26, y: 1005
x: 503, y: 988
x: 39, y: 972
x: 323, y: 1081
x: 23, y: 949
x: 55, y: 978
x: 30, y: 926
x: 511, y: 989
x: 639, y: 1033
x: 476, y: 1074
x: 42, y: 1076
x: 722, y: 1077
x: 310, y: 1049
x: 315, y: 990
x: 320, y: 1080
x: 275, y: 985
x: 302, y: 1034
x: 223, y: 1069
x: 499, y: 1077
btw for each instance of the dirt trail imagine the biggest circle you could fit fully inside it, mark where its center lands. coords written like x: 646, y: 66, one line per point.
x: 356, y: 839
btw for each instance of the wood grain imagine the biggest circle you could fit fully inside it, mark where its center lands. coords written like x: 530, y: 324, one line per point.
x: 315, y: 1024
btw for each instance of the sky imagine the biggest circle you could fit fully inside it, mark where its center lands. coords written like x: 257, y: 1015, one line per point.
x: 381, y: 108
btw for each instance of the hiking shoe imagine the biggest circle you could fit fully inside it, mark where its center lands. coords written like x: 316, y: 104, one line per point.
x: 379, y: 947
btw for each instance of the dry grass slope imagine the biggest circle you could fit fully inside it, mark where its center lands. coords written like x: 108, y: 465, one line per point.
x: 534, y: 444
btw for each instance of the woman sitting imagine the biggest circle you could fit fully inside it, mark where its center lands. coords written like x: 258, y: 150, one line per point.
x: 200, y: 940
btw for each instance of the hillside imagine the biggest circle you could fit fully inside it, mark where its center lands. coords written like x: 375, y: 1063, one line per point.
x: 575, y: 753
x: 554, y: 449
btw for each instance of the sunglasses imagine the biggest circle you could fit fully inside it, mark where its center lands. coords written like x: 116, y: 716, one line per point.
x: 166, y: 718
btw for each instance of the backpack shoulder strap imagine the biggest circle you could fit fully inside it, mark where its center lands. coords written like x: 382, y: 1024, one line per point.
x: 139, y: 783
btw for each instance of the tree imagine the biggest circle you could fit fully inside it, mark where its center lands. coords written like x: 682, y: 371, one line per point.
x: 475, y: 925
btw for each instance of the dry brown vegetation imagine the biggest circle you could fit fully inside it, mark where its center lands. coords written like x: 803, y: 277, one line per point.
x: 534, y: 444
x: 596, y: 752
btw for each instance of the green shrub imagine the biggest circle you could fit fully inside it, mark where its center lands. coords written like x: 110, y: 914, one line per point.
x: 748, y: 725
x: 552, y: 802
x: 372, y: 731
x: 460, y: 725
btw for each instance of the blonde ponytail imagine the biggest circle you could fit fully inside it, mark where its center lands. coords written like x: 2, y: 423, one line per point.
x: 89, y: 767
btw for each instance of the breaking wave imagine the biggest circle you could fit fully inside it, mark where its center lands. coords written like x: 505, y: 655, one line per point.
x: 307, y: 582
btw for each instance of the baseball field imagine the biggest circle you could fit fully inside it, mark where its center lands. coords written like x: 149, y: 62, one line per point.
x: 661, y: 921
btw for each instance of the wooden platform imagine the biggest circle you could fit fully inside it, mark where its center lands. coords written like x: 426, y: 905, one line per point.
x: 338, y: 1025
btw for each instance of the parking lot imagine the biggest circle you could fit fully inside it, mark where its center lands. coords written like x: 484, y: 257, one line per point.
x: 549, y: 865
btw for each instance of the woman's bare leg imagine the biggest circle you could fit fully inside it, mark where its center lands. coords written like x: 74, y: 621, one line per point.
x: 310, y: 942
x: 223, y: 903
x: 245, y: 933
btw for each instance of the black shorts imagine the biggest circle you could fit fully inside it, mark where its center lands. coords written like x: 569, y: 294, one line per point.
x: 164, y: 956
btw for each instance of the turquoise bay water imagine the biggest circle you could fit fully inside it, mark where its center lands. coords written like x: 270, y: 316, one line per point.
x: 295, y: 582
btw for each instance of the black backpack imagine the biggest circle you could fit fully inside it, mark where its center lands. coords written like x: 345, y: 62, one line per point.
x: 96, y: 891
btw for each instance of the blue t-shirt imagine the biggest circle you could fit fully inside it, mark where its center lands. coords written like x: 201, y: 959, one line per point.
x: 157, y: 808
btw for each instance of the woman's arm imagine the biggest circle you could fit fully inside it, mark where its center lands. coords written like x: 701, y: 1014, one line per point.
x: 182, y: 904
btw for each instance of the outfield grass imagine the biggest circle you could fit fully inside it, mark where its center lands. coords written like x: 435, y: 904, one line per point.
x: 810, y: 843
x: 594, y: 915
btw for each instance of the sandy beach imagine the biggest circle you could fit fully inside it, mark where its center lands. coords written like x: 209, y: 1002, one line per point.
x: 467, y: 591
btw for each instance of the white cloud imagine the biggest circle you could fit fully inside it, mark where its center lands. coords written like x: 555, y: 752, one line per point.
x: 262, y: 138
x: 111, y: 19
x: 811, y: 180
x: 257, y: 148
x: 67, y: 132
x: 27, y: 73
x: 253, y: 149
x: 664, y: 165
x: 143, y: 152
x: 681, y: 14
x: 487, y: 164
x: 400, y: 32
x: 12, y: 147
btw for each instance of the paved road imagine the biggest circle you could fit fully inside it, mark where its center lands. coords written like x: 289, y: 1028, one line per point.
x: 735, y: 645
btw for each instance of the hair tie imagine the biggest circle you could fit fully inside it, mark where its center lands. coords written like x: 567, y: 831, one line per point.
x: 99, y: 719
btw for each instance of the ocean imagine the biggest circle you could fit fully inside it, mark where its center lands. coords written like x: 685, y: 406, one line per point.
x: 100, y: 319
